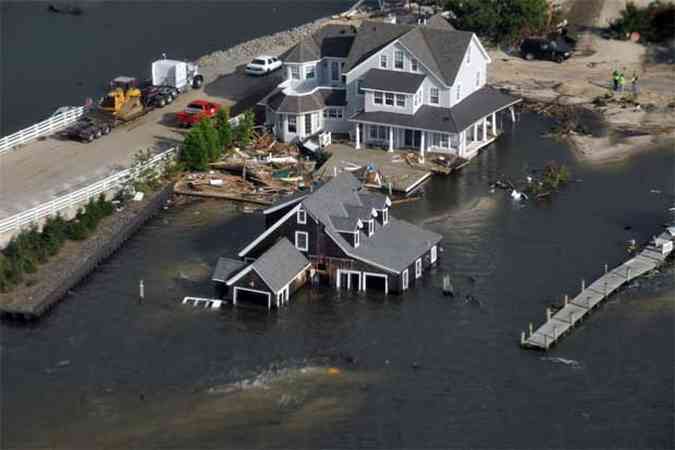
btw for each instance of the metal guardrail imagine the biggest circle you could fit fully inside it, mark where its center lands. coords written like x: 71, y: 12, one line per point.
x: 44, y: 128
x: 81, y: 196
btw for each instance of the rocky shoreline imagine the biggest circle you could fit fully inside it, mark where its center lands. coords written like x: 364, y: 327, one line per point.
x: 224, y: 62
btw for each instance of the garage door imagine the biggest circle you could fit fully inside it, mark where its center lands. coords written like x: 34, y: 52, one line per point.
x: 376, y: 283
x: 243, y: 296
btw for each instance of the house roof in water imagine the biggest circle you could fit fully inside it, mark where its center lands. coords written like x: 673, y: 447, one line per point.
x: 280, y: 264
x: 329, y: 41
x: 389, y: 80
x: 451, y: 120
x: 294, y: 104
x: 394, y: 246
x: 225, y: 268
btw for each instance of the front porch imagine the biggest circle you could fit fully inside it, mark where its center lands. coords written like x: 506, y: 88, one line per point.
x: 464, y: 144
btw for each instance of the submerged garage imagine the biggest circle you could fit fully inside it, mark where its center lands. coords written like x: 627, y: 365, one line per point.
x: 376, y: 282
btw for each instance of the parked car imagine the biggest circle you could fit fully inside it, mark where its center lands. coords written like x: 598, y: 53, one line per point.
x: 263, y: 65
x: 196, y: 111
x: 540, y: 48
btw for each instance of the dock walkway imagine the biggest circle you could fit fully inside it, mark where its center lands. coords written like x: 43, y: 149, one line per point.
x: 562, y: 321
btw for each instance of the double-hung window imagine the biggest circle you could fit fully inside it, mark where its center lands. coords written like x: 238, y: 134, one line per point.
x: 434, y: 97
x: 292, y: 124
x: 295, y: 72
x: 414, y: 65
x: 398, y: 59
x: 400, y: 100
x: 385, y: 216
x: 310, y: 72
x: 377, y: 98
x: 383, y: 61
x: 418, y: 268
x: 433, y: 254
x: 356, y: 238
x: 371, y: 227
x: 301, y: 241
x: 389, y: 98
x: 444, y: 140
x: 302, y: 216
x: 404, y: 277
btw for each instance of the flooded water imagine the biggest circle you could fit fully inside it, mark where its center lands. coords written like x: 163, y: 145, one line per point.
x: 416, y: 370
x: 56, y: 59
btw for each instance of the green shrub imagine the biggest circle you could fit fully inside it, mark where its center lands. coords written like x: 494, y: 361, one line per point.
x: 54, y: 234
x: 655, y: 23
x: 78, y: 228
x: 222, y: 124
x: 243, y: 132
x: 504, y: 21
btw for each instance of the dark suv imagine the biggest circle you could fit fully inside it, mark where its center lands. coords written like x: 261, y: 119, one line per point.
x: 555, y: 50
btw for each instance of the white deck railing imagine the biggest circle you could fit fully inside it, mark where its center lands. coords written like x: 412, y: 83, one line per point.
x: 44, y: 128
x: 80, y: 196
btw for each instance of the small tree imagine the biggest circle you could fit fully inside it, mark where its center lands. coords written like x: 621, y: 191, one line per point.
x: 243, y: 132
x: 222, y: 124
x: 211, y: 139
x: 54, y: 234
x: 195, y: 152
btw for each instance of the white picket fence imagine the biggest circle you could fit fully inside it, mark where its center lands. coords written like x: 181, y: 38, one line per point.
x: 81, y: 196
x: 44, y: 128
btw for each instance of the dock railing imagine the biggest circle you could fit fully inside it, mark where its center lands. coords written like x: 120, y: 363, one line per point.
x: 81, y: 196
x: 46, y: 127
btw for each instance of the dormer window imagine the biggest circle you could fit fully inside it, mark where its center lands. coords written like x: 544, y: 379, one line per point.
x: 295, y: 73
x: 434, y: 97
x: 371, y: 227
x: 414, y: 66
x: 398, y: 59
x: 383, y: 61
x: 302, y: 217
x: 356, y: 239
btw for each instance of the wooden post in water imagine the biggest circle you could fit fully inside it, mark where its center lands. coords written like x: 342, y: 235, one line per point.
x: 567, y: 299
x: 141, y: 292
x: 522, y: 338
x: 583, y: 285
x: 605, y: 269
x: 531, y: 328
x: 548, y: 314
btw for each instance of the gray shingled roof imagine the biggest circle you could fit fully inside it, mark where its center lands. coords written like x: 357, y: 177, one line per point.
x: 452, y: 120
x: 358, y: 211
x: 390, y: 80
x: 329, y: 41
x: 225, y: 268
x: 347, y: 224
x: 442, y: 51
x: 439, y: 22
x: 294, y: 104
x: 394, y: 246
x: 373, y: 200
x: 371, y: 37
x: 280, y: 264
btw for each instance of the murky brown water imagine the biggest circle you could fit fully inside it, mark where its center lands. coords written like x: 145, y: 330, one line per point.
x: 160, y: 374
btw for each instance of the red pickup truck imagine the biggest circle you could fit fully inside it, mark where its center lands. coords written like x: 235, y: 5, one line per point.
x: 196, y: 111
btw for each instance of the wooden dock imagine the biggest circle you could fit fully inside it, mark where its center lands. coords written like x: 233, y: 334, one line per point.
x: 573, y: 311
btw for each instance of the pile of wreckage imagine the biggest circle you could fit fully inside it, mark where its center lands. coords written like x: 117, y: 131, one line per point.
x: 259, y: 174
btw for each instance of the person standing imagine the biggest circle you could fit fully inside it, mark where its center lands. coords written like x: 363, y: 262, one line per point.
x: 622, y: 82
x: 634, y: 84
x: 615, y: 80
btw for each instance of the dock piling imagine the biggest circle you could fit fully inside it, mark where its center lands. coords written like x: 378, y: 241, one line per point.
x: 567, y: 299
x: 522, y: 338
x: 531, y: 328
x: 548, y: 314
x: 605, y: 269
x: 141, y: 291
x: 583, y: 285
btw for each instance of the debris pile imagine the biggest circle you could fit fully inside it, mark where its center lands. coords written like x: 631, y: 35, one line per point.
x: 259, y: 174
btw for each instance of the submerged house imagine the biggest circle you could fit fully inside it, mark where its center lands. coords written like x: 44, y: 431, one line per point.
x: 338, y: 232
x: 394, y: 86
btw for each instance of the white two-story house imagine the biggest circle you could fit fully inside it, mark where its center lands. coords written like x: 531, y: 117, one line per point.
x: 393, y: 86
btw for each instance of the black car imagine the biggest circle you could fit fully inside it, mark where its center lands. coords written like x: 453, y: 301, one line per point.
x: 539, y: 48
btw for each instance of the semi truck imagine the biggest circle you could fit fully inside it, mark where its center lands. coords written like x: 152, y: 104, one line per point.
x: 127, y: 99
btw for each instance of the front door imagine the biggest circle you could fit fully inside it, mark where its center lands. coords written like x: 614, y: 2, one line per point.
x: 308, y: 124
x: 412, y: 138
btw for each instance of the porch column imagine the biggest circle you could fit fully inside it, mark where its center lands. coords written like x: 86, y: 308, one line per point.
x: 475, y: 132
x: 422, y: 133
x: 494, y: 124
x: 484, y: 128
x: 358, y: 136
x: 462, y: 142
x: 391, y: 139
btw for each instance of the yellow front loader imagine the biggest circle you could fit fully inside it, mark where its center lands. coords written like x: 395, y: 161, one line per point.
x: 124, y: 101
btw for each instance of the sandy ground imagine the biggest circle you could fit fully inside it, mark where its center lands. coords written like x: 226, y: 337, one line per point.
x: 587, y: 75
